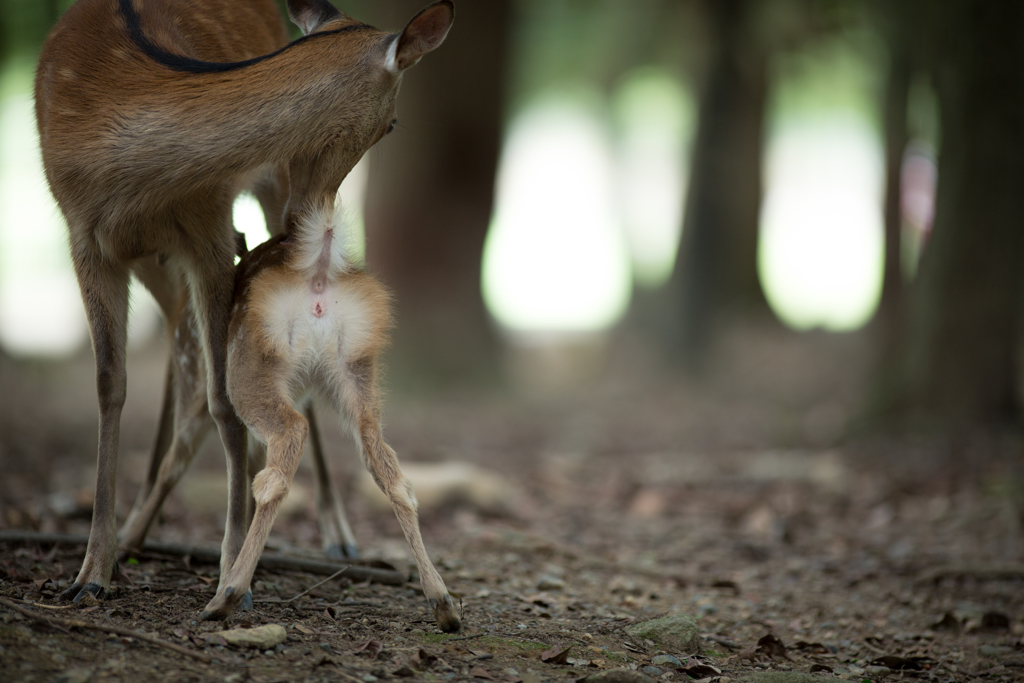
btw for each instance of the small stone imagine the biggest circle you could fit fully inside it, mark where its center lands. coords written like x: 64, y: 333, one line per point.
x: 261, y: 637
x: 417, y: 633
x: 652, y: 671
x: 269, y: 653
x: 326, y: 647
x: 666, y: 660
x: 234, y: 678
x: 675, y: 633
x: 587, y: 637
x: 878, y: 671
x: 57, y: 658
x: 369, y: 678
x: 550, y: 583
x: 75, y: 676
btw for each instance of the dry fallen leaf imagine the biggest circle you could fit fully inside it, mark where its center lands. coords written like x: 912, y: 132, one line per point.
x: 480, y: 672
x: 771, y: 646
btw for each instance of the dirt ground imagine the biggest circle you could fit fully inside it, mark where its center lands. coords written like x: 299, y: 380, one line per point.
x: 754, y: 506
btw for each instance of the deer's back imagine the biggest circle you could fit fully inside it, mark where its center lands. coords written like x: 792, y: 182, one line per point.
x: 100, y: 70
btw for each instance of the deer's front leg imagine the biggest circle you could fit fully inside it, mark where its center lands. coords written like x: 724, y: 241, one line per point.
x: 382, y: 462
x: 104, y: 288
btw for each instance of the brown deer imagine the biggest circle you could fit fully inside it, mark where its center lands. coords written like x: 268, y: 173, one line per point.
x: 152, y: 118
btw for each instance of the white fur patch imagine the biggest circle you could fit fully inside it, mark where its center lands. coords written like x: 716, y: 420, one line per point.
x: 311, y: 233
x: 391, y: 61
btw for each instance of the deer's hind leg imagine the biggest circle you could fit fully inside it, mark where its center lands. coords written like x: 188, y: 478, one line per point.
x: 104, y: 286
x: 271, y: 418
x: 336, y: 535
x: 192, y: 422
x: 363, y: 407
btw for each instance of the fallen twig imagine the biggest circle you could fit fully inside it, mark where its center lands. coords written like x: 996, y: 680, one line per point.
x: 305, y: 592
x: 478, y: 635
x: 724, y: 642
x: 39, y: 604
x: 208, y: 555
x: 72, y: 623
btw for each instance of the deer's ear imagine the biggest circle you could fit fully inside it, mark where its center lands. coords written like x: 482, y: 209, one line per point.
x: 424, y: 33
x: 309, y: 14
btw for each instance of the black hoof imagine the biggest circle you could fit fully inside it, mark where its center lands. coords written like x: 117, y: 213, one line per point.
x: 349, y: 551
x: 247, y: 601
x: 93, y: 589
x: 71, y: 592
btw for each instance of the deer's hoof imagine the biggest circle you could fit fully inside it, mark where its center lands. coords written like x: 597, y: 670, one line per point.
x: 76, y: 592
x: 247, y: 601
x: 445, y: 615
x: 348, y: 551
x: 222, y: 605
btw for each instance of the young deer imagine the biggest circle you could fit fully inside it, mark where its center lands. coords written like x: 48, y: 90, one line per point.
x: 189, y: 421
x: 152, y: 118
x: 305, y: 320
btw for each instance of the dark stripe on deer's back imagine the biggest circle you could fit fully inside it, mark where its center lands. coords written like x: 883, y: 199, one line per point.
x: 186, y: 64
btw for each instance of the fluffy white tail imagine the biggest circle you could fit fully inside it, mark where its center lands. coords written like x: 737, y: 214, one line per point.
x: 322, y: 252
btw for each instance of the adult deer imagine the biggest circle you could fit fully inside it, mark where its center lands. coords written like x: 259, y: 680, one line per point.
x: 152, y: 118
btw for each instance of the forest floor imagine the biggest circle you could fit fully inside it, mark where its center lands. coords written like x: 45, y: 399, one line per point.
x: 751, y: 506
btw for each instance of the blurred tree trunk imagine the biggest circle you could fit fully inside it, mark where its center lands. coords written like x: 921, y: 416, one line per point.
x: 431, y: 190
x: 963, y: 325
x: 888, y: 322
x: 716, y: 270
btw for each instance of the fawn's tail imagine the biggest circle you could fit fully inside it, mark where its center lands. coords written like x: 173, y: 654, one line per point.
x: 322, y: 238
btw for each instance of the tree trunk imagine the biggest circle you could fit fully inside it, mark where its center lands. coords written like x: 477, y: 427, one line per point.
x: 961, y: 364
x: 888, y: 320
x: 716, y: 270
x: 430, y: 194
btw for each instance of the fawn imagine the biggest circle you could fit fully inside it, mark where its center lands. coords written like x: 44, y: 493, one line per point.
x: 152, y: 117
x: 304, y: 320
x: 184, y: 423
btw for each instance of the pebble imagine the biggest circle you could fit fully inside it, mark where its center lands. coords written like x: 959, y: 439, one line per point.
x: 878, y: 671
x: 75, y: 676
x: 587, y: 637
x: 652, y: 671
x: 261, y: 637
x: 369, y: 678
x: 662, y: 660
x: 326, y: 647
x: 550, y: 583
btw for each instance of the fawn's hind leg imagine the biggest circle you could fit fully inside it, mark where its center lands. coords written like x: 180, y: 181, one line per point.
x: 276, y: 423
x: 364, y: 409
x: 336, y: 535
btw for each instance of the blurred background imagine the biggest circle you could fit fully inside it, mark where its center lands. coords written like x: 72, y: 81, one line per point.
x: 627, y: 228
